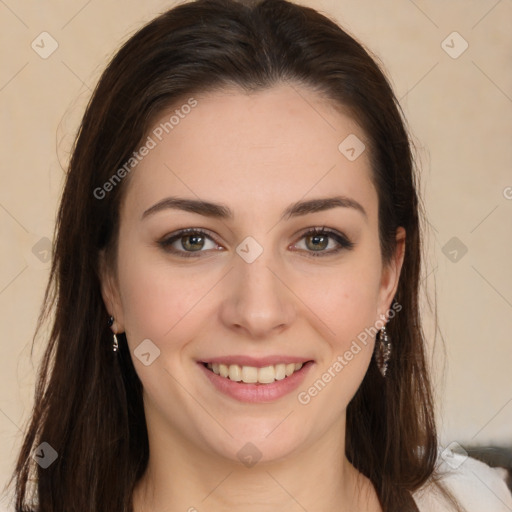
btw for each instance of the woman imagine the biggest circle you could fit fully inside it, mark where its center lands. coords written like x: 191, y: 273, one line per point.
x: 235, y: 282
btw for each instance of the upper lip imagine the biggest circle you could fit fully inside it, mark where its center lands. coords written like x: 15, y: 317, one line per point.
x: 258, y: 362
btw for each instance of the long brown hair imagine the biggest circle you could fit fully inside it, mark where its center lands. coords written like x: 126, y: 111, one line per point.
x: 88, y: 401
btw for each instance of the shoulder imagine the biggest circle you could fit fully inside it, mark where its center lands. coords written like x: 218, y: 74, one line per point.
x: 476, y: 486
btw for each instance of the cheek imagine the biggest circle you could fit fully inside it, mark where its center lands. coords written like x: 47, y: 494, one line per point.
x: 345, y: 299
x: 347, y: 304
x: 155, y: 296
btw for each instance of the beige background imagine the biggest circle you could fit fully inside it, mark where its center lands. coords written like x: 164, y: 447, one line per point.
x: 459, y: 114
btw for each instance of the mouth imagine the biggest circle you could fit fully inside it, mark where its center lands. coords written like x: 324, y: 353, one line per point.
x: 254, y: 374
x: 251, y: 380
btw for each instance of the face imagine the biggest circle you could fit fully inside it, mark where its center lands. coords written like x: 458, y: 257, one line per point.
x: 283, y: 267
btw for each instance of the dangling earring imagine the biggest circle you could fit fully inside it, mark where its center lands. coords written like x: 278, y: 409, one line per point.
x: 383, y: 351
x: 115, y: 344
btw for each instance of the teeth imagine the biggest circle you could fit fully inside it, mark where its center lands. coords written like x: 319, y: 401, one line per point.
x: 249, y: 374
x: 223, y: 370
x: 290, y: 368
x: 266, y: 375
x: 235, y: 372
x: 280, y: 371
x: 253, y: 375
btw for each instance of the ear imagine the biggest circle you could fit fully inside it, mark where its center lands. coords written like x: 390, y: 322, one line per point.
x: 391, y: 274
x: 110, y: 293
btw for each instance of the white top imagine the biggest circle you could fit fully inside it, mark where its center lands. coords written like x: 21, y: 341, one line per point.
x: 476, y: 486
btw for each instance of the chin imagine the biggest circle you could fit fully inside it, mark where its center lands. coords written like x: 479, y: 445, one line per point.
x: 260, y: 441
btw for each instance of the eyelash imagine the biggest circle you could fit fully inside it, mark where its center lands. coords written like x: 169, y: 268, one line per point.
x: 343, y: 241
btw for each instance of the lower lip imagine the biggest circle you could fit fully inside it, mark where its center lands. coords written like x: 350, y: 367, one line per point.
x: 257, y: 393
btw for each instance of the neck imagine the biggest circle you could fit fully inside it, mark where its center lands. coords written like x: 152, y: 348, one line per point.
x: 181, y: 476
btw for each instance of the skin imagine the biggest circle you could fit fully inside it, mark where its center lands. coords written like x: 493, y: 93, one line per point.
x: 257, y: 154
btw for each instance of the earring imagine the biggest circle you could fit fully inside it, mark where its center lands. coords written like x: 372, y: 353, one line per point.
x: 115, y: 344
x: 383, y: 351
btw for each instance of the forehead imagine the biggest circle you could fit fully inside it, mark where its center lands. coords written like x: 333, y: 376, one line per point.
x: 256, y: 150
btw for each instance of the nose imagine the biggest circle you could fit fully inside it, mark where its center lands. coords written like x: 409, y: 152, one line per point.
x: 257, y: 301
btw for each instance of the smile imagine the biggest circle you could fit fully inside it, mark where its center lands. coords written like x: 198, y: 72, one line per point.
x: 253, y: 375
x: 266, y: 382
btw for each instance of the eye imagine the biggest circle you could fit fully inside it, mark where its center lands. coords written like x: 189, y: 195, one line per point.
x: 316, y: 240
x: 191, y: 242
x: 188, y: 241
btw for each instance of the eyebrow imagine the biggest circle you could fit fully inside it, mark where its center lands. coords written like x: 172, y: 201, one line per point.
x: 221, y: 211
